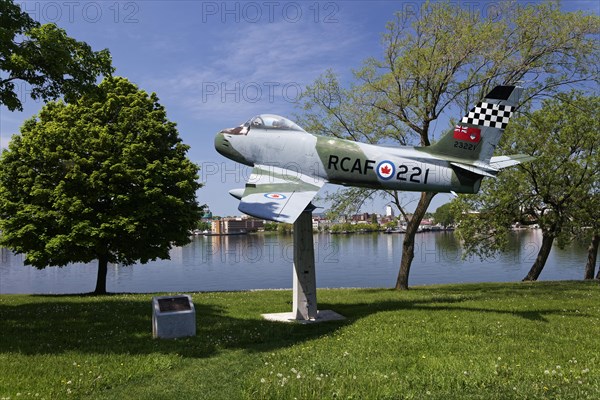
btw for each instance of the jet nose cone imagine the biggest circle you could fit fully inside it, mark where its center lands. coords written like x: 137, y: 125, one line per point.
x: 222, y: 145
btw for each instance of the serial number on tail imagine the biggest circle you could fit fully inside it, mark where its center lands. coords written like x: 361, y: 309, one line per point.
x: 465, y: 145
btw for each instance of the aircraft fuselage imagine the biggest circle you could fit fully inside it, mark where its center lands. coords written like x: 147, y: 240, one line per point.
x: 290, y: 165
x: 346, y: 162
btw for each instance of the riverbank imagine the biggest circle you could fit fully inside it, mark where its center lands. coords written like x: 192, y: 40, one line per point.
x: 493, y: 341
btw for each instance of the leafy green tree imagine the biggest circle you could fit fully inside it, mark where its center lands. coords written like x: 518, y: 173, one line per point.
x: 284, y: 228
x: 372, y: 227
x: 392, y: 224
x: 374, y: 219
x: 343, y: 227
x: 44, y: 57
x: 103, y: 178
x: 588, y: 227
x: 270, y: 226
x: 590, y: 266
x: 444, y: 59
x: 203, y: 225
x: 444, y: 215
x: 558, y: 191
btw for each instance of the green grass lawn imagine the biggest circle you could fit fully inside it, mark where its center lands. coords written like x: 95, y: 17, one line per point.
x: 477, y: 341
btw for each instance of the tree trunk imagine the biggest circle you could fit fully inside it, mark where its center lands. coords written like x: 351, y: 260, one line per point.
x: 102, y: 271
x: 590, y: 267
x: 540, y: 260
x: 408, y: 245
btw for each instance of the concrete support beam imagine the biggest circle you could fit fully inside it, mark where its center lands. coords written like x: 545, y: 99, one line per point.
x: 304, y: 305
x: 305, y: 282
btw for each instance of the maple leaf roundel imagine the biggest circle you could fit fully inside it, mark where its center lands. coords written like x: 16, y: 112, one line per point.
x: 385, y: 170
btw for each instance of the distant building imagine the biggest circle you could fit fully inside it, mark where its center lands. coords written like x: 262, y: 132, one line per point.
x: 236, y: 225
x: 389, y: 211
x: 320, y: 222
x: 387, y: 219
x: 364, y: 218
x: 429, y: 225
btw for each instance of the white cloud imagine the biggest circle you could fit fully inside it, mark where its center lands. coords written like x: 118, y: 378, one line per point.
x: 255, y: 69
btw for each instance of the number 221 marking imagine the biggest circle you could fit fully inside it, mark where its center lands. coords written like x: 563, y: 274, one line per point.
x: 415, y: 176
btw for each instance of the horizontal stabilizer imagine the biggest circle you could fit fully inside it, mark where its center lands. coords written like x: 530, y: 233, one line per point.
x: 476, y: 170
x: 495, y: 165
x: 501, y: 162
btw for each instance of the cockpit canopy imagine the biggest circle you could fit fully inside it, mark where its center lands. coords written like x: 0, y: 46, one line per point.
x: 264, y: 121
x: 271, y: 121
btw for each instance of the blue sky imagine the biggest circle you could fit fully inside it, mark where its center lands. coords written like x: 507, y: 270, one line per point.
x: 214, y: 64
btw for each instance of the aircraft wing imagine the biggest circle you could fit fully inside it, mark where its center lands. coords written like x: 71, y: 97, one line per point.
x: 278, y: 194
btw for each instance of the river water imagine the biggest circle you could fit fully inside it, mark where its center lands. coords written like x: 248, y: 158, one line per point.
x: 264, y: 261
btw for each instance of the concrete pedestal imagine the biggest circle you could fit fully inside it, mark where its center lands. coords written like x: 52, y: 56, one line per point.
x: 305, y: 280
x: 322, y: 316
x: 304, y: 307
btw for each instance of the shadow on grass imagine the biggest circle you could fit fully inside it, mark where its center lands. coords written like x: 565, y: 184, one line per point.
x: 117, y: 325
x: 513, y: 288
x: 445, y: 297
x: 362, y: 310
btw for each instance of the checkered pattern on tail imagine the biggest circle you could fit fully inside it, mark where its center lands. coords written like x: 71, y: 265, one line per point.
x: 489, y: 114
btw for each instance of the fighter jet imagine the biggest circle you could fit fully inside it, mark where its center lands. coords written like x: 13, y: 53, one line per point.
x: 291, y: 165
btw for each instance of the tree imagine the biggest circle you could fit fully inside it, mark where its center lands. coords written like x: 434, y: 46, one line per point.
x: 557, y: 191
x: 203, y: 225
x: 105, y: 178
x: 374, y: 219
x: 270, y: 226
x: 392, y: 224
x: 590, y: 266
x: 444, y: 59
x: 444, y: 215
x: 284, y: 228
x: 590, y: 228
x: 44, y: 57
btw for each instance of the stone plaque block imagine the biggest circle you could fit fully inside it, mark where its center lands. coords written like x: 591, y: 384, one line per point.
x: 173, y: 317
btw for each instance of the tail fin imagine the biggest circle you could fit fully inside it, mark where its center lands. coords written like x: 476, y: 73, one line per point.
x: 474, y: 139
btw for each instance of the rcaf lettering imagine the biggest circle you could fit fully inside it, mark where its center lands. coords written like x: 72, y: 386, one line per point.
x: 348, y: 164
x: 413, y: 174
x: 342, y: 164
